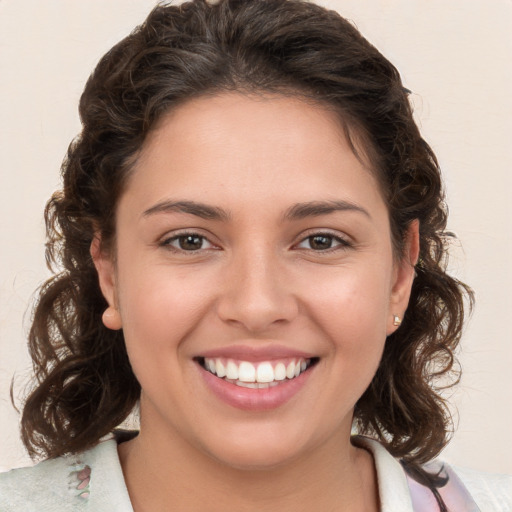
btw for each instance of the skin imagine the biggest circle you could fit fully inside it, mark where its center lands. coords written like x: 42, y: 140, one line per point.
x: 256, y: 279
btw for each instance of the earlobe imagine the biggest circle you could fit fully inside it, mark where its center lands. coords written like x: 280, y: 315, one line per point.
x: 404, y: 277
x: 112, y: 319
x: 106, y: 277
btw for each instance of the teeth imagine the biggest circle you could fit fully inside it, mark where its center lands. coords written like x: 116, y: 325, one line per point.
x: 232, y: 371
x: 256, y: 385
x: 290, y: 370
x: 262, y: 375
x: 210, y: 364
x: 280, y: 371
x: 265, y: 373
x: 220, y: 370
x: 246, y: 372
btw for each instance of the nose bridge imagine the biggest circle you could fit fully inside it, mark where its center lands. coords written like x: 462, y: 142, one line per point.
x: 256, y: 293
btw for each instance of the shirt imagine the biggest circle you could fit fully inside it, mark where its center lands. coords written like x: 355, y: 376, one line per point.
x: 93, y: 481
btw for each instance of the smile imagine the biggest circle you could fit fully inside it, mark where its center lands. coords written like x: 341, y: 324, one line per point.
x: 255, y: 383
x: 260, y: 375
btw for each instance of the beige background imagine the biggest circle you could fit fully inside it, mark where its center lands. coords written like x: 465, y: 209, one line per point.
x: 455, y: 57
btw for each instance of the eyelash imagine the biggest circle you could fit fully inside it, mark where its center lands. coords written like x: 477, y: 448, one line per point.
x: 341, y: 243
x: 167, y: 242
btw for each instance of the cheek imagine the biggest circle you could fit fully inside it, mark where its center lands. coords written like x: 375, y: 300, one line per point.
x: 353, y: 301
x: 160, y: 306
x: 352, y: 311
x: 349, y: 310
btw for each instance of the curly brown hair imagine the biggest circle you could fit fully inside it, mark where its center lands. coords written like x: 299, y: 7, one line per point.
x: 84, y: 383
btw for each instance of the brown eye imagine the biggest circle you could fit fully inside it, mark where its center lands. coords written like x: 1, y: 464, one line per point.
x: 188, y: 242
x: 323, y: 242
x: 320, y: 242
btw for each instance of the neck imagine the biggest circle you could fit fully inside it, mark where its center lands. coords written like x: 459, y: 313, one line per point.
x: 163, y: 472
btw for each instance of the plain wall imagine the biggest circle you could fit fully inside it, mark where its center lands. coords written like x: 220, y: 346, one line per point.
x: 455, y: 56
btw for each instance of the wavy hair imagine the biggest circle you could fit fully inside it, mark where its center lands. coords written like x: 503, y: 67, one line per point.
x: 84, y: 383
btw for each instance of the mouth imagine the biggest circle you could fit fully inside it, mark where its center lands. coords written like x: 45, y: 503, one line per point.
x: 257, y: 375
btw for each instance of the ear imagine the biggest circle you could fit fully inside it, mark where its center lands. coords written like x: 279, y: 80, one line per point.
x: 404, y: 276
x: 106, y: 277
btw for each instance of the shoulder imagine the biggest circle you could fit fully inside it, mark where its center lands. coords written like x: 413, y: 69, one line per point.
x: 462, y: 490
x: 42, y: 486
x: 491, y: 491
x: 469, y: 490
x: 65, y: 483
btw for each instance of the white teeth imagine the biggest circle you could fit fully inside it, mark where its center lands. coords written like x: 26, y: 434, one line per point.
x: 255, y: 375
x: 280, y: 371
x: 290, y: 370
x: 265, y: 372
x: 232, y: 371
x: 210, y: 363
x: 242, y: 384
x: 220, y: 370
x: 246, y: 372
x: 256, y: 385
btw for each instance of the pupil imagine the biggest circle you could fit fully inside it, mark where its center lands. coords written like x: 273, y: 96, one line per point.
x: 190, y: 242
x: 320, y: 242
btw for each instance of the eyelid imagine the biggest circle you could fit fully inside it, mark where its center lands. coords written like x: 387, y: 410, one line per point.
x: 344, y: 240
x: 165, y: 240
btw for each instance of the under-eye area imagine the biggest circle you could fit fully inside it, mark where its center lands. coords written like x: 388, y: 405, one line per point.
x: 257, y: 375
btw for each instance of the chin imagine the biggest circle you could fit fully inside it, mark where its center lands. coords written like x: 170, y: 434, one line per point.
x: 258, y: 449
x: 255, y: 458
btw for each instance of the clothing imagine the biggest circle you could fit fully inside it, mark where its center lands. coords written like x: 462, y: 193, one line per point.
x: 93, y: 482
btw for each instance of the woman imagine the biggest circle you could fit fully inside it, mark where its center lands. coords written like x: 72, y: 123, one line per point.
x: 252, y: 235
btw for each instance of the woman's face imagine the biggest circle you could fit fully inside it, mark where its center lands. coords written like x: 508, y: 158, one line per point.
x: 251, y: 241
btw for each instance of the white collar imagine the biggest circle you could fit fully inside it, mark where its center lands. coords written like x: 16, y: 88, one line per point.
x: 394, y: 492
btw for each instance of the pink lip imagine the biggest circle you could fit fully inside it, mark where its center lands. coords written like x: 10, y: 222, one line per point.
x: 253, y: 399
x: 256, y: 353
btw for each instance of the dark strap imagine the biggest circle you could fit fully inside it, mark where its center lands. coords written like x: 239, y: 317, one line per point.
x: 453, y: 492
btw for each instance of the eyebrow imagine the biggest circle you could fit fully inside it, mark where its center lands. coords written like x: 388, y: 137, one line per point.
x: 296, y: 212
x: 190, y: 207
x: 317, y: 208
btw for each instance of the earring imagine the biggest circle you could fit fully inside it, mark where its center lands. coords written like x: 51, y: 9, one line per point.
x: 396, y: 320
x: 112, y: 319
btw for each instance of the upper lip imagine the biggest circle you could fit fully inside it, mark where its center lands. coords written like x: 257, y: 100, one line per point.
x: 255, y: 353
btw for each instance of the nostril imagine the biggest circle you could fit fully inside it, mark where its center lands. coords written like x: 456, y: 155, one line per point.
x: 257, y: 318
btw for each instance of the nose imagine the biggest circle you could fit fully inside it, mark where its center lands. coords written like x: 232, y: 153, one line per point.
x: 256, y: 294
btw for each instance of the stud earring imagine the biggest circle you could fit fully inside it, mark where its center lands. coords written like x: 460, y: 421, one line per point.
x: 112, y: 319
x: 396, y: 320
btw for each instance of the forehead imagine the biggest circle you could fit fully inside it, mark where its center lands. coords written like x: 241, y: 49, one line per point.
x: 252, y: 146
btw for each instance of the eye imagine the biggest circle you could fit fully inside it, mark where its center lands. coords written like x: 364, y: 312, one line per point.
x: 323, y: 242
x: 188, y: 242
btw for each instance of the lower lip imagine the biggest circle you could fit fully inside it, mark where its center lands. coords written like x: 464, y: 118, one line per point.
x: 254, y: 399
